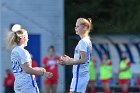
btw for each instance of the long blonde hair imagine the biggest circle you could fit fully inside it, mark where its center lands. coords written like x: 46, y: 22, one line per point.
x: 14, y: 36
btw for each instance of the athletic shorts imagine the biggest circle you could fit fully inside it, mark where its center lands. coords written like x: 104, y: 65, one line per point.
x: 27, y: 90
x: 106, y: 81
x: 79, y: 84
x: 124, y: 81
x: 51, y: 81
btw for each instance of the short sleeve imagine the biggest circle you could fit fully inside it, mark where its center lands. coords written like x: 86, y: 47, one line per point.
x: 45, y: 60
x: 82, y: 46
x: 25, y: 56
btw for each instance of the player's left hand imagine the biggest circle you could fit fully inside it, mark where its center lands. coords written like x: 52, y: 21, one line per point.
x: 64, y: 60
x: 48, y: 74
x: 60, y: 61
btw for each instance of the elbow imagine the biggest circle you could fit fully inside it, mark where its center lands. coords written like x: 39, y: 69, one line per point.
x: 26, y: 69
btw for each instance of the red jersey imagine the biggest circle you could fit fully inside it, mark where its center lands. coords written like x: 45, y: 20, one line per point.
x: 34, y: 64
x: 51, y: 65
x: 9, y: 80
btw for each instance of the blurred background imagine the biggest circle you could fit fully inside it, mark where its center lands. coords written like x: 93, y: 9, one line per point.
x: 52, y: 22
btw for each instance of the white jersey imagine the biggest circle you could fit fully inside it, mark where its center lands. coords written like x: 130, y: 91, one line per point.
x: 81, y: 70
x: 19, y: 56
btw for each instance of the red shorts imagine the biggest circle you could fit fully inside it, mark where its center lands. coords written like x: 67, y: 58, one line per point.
x: 124, y: 81
x: 51, y: 81
x: 106, y: 81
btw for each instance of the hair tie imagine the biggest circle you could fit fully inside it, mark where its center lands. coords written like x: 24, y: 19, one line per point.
x: 16, y: 27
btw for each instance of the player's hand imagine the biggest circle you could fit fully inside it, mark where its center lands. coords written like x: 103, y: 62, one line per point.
x: 60, y: 61
x: 64, y: 60
x: 48, y: 74
x: 40, y: 71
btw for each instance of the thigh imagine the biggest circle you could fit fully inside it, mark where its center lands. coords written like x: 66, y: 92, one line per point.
x: 79, y: 84
x: 47, y: 87
x: 83, y: 84
x: 91, y: 83
x: 30, y: 90
x: 125, y: 87
x: 54, y: 88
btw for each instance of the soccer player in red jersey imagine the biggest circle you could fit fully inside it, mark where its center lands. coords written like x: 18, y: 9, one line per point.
x: 50, y: 64
x: 9, y: 82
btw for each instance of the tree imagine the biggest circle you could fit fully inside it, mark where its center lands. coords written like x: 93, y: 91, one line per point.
x: 109, y: 16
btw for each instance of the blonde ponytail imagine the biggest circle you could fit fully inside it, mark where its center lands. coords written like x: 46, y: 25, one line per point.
x: 11, y: 39
x: 90, y: 24
x: 90, y: 20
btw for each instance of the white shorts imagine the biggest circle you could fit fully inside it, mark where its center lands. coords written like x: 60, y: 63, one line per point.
x: 79, y: 84
x: 27, y: 90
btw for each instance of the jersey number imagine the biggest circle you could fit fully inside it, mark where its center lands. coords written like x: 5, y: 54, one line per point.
x: 16, y: 67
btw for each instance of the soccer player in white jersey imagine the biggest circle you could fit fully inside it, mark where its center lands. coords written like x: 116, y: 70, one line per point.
x: 81, y: 57
x: 22, y: 64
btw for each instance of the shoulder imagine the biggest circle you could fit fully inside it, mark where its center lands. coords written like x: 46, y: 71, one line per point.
x: 22, y: 52
x: 19, y: 50
x: 82, y: 42
x: 45, y: 59
x: 12, y: 75
x: 85, y: 41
